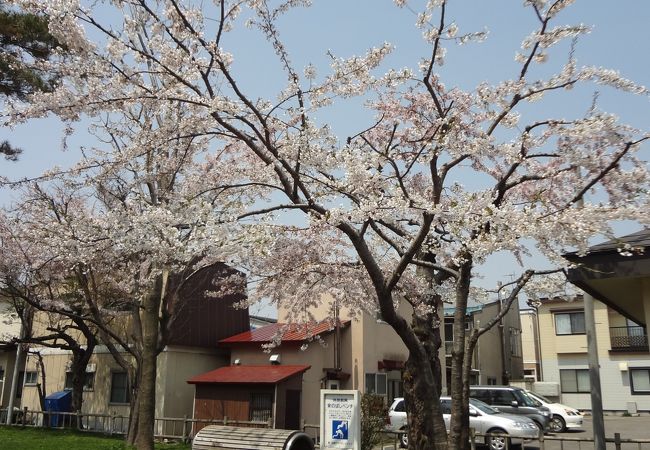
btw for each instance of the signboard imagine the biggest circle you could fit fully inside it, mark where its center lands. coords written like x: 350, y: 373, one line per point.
x: 340, y: 420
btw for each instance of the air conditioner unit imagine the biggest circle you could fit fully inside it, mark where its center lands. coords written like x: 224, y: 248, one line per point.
x: 275, y: 359
x: 236, y: 362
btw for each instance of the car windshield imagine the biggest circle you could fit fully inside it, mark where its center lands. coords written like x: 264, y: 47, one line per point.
x: 484, y: 407
x: 525, y: 399
x: 539, y: 397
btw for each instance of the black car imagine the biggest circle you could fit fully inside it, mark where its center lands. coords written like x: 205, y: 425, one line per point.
x: 513, y: 400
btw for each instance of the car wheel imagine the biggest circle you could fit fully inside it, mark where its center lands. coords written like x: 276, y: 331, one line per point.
x: 557, y: 424
x: 404, y: 440
x: 497, y: 440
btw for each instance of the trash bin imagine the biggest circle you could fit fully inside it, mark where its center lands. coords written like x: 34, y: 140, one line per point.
x: 56, y: 403
x: 217, y: 436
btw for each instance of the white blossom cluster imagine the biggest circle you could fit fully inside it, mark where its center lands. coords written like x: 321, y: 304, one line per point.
x: 190, y: 169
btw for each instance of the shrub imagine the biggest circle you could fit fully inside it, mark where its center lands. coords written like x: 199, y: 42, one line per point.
x: 373, y: 420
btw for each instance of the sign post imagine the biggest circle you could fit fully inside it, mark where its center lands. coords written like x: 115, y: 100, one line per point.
x: 340, y: 420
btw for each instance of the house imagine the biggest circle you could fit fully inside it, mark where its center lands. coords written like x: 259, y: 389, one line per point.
x: 622, y: 352
x: 498, y: 355
x: 362, y: 353
x: 616, y: 273
x: 200, y: 322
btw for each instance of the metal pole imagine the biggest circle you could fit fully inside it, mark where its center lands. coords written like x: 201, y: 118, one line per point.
x: 594, y: 374
x: 14, y: 377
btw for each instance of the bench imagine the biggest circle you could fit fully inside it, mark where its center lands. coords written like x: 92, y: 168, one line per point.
x: 217, y: 437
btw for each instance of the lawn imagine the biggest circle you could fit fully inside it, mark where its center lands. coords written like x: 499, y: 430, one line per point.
x: 14, y: 438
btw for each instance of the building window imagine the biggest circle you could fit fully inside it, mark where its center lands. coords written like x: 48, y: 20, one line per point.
x: 2, y: 374
x: 491, y: 381
x: 570, y: 323
x: 574, y: 381
x: 261, y: 409
x: 376, y: 383
x: 515, y: 341
x: 31, y: 377
x: 89, y: 381
x: 120, y: 388
x: 640, y: 380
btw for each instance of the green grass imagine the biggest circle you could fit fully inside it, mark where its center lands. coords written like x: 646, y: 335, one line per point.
x: 16, y: 438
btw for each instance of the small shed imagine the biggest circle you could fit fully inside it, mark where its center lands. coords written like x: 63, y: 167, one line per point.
x: 250, y: 393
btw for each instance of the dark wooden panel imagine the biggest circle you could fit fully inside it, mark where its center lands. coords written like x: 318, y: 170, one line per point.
x: 203, y: 320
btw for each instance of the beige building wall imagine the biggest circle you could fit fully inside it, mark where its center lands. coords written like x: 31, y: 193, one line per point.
x: 529, y: 346
x: 174, y: 396
x: 570, y: 352
x: 372, y: 340
x: 176, y: 365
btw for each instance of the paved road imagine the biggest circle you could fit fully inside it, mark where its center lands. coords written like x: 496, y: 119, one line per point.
x: 628, y: 427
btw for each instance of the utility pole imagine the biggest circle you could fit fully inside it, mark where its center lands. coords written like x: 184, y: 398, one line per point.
x: 16, y: 372
x: 594, y: 374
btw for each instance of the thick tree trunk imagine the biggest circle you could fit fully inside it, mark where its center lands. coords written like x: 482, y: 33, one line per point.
x: 422, y: 388
x: 460, y: 366
x: 149, y: 314
x: 132, y: 433
x: 80, y: 360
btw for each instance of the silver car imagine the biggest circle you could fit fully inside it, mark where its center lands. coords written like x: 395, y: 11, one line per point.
x: 497, y: 427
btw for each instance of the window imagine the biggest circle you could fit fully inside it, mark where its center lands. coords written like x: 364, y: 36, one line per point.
x: 376, y: 383
x: 261, y: 408
x: 120, y: 388
x: 491, y: 381
x: 445, y: 406
x: 640, y: 380
x: 574, y: 380
x: 31, y: 377
x: 515, y: 341
x: 502, y: 397
x: 481, y: 394
x: 2, y: 373
x: 570, y: 323
x: 89, y: 381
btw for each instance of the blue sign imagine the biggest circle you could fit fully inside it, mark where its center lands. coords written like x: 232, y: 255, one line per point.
x: 340, y: 429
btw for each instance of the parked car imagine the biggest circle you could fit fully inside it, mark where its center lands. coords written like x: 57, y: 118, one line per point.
x: 564, y: 417
x: 513, y: 400
x: 487, y: 421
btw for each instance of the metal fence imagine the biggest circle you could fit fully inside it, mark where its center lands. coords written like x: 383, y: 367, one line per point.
x: 180, y: 428
x: 550, y: 442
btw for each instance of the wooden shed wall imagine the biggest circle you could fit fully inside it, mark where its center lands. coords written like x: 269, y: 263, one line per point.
x: 214, y: 401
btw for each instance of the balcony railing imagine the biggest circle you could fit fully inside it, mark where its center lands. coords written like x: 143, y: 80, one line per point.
x: 630, y: 339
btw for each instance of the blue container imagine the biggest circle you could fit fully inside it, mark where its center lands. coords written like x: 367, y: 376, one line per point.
x: 58, y: 402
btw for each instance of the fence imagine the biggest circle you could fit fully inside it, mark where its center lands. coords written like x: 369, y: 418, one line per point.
x: 181, y: 428
x: 543, y: 443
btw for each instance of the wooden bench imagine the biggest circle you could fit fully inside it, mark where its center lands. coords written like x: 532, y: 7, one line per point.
x: 217, y: 437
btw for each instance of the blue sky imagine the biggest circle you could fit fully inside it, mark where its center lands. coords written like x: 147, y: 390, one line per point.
x: 620, y: 39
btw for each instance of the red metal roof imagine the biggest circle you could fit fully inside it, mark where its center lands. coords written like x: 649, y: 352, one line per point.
x: 249, y: 374
x: 290, y: 332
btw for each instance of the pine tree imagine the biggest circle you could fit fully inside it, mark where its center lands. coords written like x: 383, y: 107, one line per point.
x: 24, y: 38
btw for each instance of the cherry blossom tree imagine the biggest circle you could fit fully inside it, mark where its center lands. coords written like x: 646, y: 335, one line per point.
x: 405, y: 210
x: 114, y: 239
